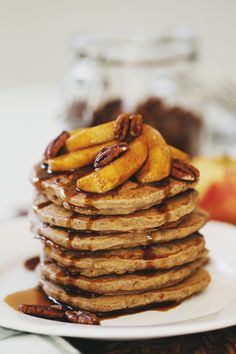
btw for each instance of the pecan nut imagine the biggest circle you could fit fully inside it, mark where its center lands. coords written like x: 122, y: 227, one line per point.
x: 57, y: 307
x: 82, y: 317
x: 136, y: 125
x: 183, y: 171
x: 42, y: 311
x: 122, y: 124
x: 32, y: 263
x: 56, y: 145
x: 128, y: 124
x: 107, y: 155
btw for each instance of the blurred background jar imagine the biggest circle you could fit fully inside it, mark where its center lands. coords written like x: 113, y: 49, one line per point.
x: 156, y: 75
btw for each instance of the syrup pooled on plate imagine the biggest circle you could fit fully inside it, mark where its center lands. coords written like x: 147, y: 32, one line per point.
x: 33, y: 296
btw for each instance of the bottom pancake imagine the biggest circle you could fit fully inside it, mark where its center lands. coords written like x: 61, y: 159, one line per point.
x: 121, y: 284
x: 106, y: 303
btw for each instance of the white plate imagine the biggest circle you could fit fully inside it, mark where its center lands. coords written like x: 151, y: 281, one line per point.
x: 214, y: 308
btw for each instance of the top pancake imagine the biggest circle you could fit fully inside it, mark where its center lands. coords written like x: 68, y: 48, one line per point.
x: 125, y: 199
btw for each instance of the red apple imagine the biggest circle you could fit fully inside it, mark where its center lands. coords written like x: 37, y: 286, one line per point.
x: 217, y: 187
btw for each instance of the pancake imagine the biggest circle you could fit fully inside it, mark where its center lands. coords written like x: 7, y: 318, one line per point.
x: 128, y: 283
x: 170, y: 210
x: 163, y: 256
x: 106, y: 303
x: 94, y: 241
x: 125, y: 199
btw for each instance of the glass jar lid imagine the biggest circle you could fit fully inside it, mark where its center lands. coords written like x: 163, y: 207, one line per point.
x: 137, y: 47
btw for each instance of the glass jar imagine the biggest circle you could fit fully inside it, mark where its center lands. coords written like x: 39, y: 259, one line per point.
x: 137, y: 72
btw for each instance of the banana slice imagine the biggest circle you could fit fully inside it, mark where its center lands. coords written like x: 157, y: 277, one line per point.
x: 84, y: 138
x: 76, y: 159
x: 118, y: 171
x: 178, y: 154
x: 158, y: 163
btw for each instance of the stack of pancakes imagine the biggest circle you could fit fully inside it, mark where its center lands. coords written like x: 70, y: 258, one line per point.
x: 134, y: 246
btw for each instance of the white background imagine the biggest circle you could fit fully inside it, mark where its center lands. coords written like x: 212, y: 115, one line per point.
x: 34, y: 34
x: 34, y: 47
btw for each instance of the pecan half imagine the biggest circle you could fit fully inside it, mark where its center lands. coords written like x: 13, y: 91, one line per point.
x: 183, y: 171
x: 136, y: 125
x: 122, y: 124
x: 32, y: 263
x: 128, y: 124
x: 57, y: 307
x: 82, y: 317
x: 42, y: 311
x: 107, y: 155
x: 56, y: 145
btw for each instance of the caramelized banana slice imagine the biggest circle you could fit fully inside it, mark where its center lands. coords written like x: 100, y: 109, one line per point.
x: 91, y: 136
x: 158, y: 163
x: 76, y: 131
x: 118, y: 171
x: 178, y: 154
x: 76, y: 159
